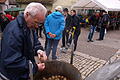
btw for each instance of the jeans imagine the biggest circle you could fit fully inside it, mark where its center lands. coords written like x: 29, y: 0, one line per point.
x: 102, y: 33
x: 52, y: 45
x: 92, y: 30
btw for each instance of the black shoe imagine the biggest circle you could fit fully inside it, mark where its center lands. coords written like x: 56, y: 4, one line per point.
x: 99, y: 39
x: 90, y: 41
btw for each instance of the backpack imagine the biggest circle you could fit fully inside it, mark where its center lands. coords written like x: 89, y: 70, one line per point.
x: 105, y: 19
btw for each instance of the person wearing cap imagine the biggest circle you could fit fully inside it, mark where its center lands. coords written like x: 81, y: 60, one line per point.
x: 105, y: 21
x: 67, y: 28
x: 54, y: 26
x: 93, y: 20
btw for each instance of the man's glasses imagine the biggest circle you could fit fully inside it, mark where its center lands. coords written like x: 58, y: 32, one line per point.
x: 35, y: 21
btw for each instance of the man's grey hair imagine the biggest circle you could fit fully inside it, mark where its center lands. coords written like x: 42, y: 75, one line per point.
x: 35, y: 8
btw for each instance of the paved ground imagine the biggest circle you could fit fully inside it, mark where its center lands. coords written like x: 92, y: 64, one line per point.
x: 86, y: 64
x: 90, y: 56
x: 100, y: 49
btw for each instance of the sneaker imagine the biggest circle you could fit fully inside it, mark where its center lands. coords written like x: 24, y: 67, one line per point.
x: 99, y: 39
x: 63, y: 50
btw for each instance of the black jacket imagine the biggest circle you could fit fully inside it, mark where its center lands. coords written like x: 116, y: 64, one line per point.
x: 93, y: 20
x: 104, y: 20
x: 17, y: 50
x: 67, y: 22
x: 75, y: 22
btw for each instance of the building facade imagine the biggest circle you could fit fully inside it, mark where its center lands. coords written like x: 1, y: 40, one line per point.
x: 64, y: 3
x: 23, y: 3
x: 5, y: 4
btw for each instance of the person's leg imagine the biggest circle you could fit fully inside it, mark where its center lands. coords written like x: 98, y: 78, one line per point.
x: 49, y: 46
x: 67, y: 37
x: 37, y: 31
x: 54, y: 49
x: 92, y: 30
x: 40, y: 31
x: 69, y: 40
x: 102, y: 33
x: 45, y: 41
x: 75, y: 41
x: 63, y: 39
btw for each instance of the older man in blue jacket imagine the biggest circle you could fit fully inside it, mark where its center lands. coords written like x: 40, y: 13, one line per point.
x: 20, y: 44
x: 54, y: 26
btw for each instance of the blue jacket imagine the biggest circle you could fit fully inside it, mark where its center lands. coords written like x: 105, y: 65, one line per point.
x: 17, y: 49
x: 55, y: 24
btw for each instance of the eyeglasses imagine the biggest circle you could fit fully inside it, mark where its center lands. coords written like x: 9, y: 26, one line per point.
x: 35, y: 21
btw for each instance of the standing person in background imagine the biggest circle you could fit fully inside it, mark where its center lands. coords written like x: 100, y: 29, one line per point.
x: 54, y: 26
x: 40, y: 29
x: 93, y: 20
x: 67, y: 28
x: 105, y: 21
x: 75, y: 22
x: 10, y: 17
x: 20, y: 44
x: 48, y: 13
x: 3, y: 21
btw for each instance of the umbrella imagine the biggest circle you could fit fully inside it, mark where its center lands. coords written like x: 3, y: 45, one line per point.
x: 14, y: 9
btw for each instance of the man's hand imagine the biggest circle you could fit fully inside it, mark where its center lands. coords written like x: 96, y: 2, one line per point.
x: 53, y: 36
x: 50, y: 34
x: 41, y: 66
x: 41, y: 55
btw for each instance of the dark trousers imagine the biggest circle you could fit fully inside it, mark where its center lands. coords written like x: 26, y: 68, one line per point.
x: 102, y: 33
x: 75, y: 39
x: 39, y: 31
x: 65, y: 38
x: 45, y: 42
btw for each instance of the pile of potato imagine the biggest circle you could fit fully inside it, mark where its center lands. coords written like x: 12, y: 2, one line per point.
x: 57, y: 77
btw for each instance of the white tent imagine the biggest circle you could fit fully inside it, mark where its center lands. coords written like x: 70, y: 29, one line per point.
x: 108, y: 5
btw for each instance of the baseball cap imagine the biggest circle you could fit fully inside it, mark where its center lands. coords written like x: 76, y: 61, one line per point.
x: 59, y: 8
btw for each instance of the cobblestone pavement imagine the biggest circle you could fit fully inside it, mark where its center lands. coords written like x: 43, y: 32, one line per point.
x: 84, y: 63
x: 91, y: 56
x: 100, y: 49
